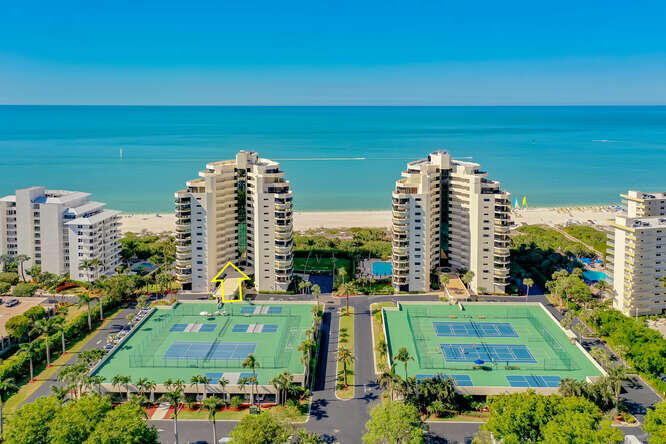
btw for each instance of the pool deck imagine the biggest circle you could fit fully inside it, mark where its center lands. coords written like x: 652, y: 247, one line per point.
x: 366, y: 269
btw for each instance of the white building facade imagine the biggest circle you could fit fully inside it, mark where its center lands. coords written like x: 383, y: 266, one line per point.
x: 47, y: 226
x: 447, y: 215
x: 636, y: 255
x: 237, y: 211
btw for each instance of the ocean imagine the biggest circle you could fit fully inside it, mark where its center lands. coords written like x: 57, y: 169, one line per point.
x: 337, y: 158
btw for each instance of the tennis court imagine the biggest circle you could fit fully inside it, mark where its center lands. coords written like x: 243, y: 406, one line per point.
x: 199, y: 338
x: 481, y: 345
x: 487, y: 353
x: 473, y: 329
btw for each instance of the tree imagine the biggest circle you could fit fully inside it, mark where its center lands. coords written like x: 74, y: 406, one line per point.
x: 6, y: 259
x: 30, y: 350
x: 24, y: 290
x: 394, y: 422
x: 7, y: 386
x: 212, y: 404
x: 85, y: 299
x: 467, y: 278
x: 18, y: 326
x: 529, y: 417
x: 199, y: 379
x: 30, y: 423
x: 174, y: 398
x: 122, y: 380
x: 387, y: 379
x: 655, y: 423
x: 259, y: 429
x: 347, y: 290
x: 443, y: 280
x: 528, y: 283
x: 568, y: 319
x: 124, y: 424
x: 342, y: 273
x: 345, y: 357
x: 251, y: 363
x: 47, y: 327
x: 222, y: 382
x: 601, y: 355
x: 76, y: 421
x: 20, y: 259
x: 316, y: 290
x: 404, y: 357
x: 97, y: 381
x: 58, y: 326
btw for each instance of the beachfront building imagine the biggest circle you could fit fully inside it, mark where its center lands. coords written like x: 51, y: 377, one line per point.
x: 59, y: 230
x: 447, y: 216
x: 237, y: 211
x: 636, y: 254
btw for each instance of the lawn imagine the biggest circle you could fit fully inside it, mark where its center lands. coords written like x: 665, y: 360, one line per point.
x: 317, y: 263
x: 597, y: 239
x: 233, y: 415
x: 346, y: 339
x: 378, y: 331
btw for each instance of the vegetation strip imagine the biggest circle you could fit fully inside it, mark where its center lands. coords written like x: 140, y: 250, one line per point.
x: 345, y: 371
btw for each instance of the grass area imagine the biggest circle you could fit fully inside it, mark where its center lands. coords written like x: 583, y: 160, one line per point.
x: 467, y: 416
x: 221, y: 414
x: 378, y: 331
x: 346, y: 340
x: 46, y: 373
x: 591, y: 236
x: 375, y: 287
x: 546, y: 238
x: 318, y: 263
x: 154, y: 288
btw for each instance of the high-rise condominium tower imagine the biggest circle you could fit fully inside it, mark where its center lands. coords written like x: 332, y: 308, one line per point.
x: 636, y: 256
x: 447, y: 215
x: 237, y: 211
x: 58, y: 230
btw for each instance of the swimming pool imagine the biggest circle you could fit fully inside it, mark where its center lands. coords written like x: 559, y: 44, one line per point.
x: 595, y: 276
x: 382, y: 268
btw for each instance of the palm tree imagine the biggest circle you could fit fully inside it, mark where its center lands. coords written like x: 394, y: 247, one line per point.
x: 528, y: 282
x: 306, y: 348
x: 174, y: 398
x: 58, y: 326
x: 404, y: 357
x: 140, y: 385
x: 20, y: 259
x: 301, y: 287
x: 251, y: 363
x: 345, y: 357
x: 121, y: 380
x: 342, y: 273
x: 196, y: 379
x: 617, y: 374
x: 467, y: 278
x: 347, y: 290
x: 7, y: 386
x: 222, y: 382
x: 212, y: 404
x: 6, y: 259
x: 382, y: 347
x: 149, y: 386
x: 30, y: 349
x: 443, y: 280
x: 282, y: 384
x: 316, y: 290
x: 94, y: 265
x: 97, y: 380
x: 61, y: 393
x: 386, y: 379
x: 84, y: 299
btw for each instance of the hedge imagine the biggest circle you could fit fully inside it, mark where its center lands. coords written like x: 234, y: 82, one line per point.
x: 9, y: 277
x: 18, y: 365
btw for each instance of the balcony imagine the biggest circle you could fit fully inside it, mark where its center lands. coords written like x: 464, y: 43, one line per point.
x: 282, y: 250
x: 283, y: 236
x: 399, y: 230
x: 399, y: 222
x: 501, y: 272
x: 400, y: 250
x: 502, y: 252
x: 282, y: 207
x: 283, y: 265
x: 183, y: 228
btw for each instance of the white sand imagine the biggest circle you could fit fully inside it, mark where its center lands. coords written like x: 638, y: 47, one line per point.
x: 152, y: 223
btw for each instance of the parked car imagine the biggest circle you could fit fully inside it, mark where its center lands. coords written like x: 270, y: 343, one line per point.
x: 12, y: 302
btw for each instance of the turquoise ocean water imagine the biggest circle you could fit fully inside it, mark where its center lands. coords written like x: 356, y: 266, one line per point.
x: 337, y: 158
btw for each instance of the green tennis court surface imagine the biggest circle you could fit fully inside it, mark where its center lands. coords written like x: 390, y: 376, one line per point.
x: 198, y: 338
x: 485, y: 345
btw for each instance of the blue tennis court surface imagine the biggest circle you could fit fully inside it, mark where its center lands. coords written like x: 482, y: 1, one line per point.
x: 260, y: 309
x: 210, y: 350
x: 193, y: 328
x: 461, y: 380
x: 255, y: 328
x: 534, y: 381
x: 487, y: 353
x: 470, y: 329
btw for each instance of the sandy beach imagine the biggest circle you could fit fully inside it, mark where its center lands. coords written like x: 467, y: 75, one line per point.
x: 303, y: 221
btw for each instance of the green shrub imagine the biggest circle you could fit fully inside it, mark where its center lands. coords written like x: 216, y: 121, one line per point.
x: 24, y: 289
x: 35, y: 313
x: 9, y: 277
x: 4, y: 287
x: 236, y: 402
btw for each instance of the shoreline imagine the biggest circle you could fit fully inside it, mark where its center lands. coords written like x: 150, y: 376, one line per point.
x: 596, y: 215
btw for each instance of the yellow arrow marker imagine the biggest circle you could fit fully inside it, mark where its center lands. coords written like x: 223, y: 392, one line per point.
x: 243, y: 277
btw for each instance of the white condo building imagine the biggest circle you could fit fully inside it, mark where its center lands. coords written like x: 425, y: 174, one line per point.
x: 237, y: 211
x: 636, y: 257
x: 447, y: 215
x: 57, y: 230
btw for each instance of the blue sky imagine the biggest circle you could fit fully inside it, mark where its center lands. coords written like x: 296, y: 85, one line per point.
x: 333, y: 53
